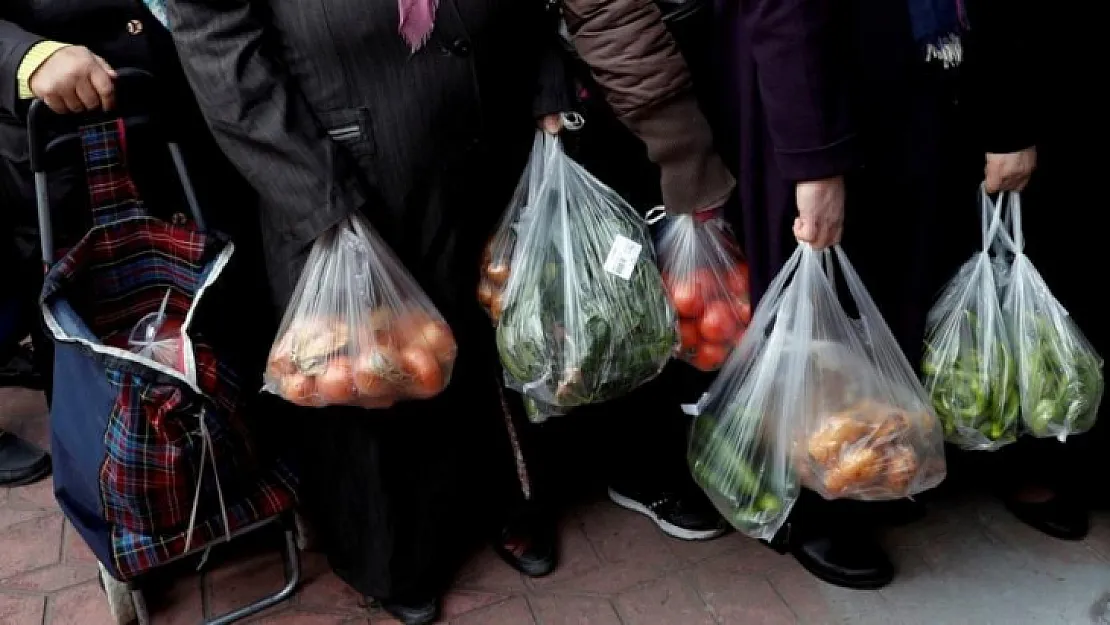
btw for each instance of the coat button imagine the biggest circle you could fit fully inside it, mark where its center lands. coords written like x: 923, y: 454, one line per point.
x: 134, y: 27
x: 461, y: 47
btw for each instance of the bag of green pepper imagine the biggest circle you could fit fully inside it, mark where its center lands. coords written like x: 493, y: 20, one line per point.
x: 813, y: 397
x: 1059, y: 373
x: 582, y: 315
x: 969, y: 368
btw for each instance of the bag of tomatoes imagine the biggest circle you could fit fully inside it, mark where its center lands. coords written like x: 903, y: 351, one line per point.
x: 707, y: 280
x: 582, y: 316
x: 813, y: 397
x: 359, y: 330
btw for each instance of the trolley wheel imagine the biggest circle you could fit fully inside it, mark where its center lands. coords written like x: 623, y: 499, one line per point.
x: 122, y: 601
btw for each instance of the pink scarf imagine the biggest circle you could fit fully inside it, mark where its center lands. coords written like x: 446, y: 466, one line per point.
x: 418, y: 18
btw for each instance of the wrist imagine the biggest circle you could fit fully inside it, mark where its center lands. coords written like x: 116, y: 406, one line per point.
x: 32, y: 61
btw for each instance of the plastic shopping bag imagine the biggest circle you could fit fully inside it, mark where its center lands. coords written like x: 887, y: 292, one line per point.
x: 584, y: 317
x: 813, y: 398
x: 1059, y: 373
x: 359, y: 330
x: 969, y: 365
x: 707, y: 281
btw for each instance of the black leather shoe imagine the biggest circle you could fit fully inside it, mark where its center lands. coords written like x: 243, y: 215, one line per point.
x: 19, y: 371
x: 846, y: 559
x: 412, y: 612
x: 529, y: 543
x: 21, y: 463
x: 1059, y: 517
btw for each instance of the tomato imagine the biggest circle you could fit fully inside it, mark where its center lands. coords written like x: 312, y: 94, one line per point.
x: 688, y: 331
x: 485, y: 293
x: 710, y: 356
x: 737, y: 280
x: 687, y: 300
x: 743, y: 311
x: 495, y: 307
x: 710, y: 285
x: 298, y: 388
x: 421, y: 365
x: 337, y: 384
x: 719, y: 323
x: 498, y: 272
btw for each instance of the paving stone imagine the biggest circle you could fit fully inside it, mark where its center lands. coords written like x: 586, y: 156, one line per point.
x: 487, y: 572
x: 80, y: 605
x: 817, y: 603
x: 51, y: 578
x: 738, y: 596
x: 30, y: 545
x: 242, y: 581
x: 74, y: 548
x: 576, y: 556
x: 21, y: 610
x: 511, y: 612
x: 556, y: 610
x: 664, y: 602
x: 462, y: 602
x: 37, y: 496
x: 181, y: 603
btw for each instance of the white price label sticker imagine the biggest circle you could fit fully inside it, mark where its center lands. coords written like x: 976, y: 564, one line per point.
x: 622, y: 257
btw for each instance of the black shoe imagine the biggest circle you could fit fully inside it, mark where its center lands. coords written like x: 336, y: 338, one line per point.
x: 18, y: 371
x: 20, y: 462
x: 683, y: 516
x: 529, y: 543
x: 847, y: 559
x: 412, y: 612
x: 1059, y: 517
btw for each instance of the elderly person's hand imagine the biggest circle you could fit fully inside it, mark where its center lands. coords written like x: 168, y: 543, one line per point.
x: 820, y: 219
x: 1010, y: 172
x: 74, y: 80
x: 552, y: 124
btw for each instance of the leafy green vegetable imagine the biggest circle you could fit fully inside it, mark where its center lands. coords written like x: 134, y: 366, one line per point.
x: 972, y: 380
x: 1061, y: 379
x: 573, y: 333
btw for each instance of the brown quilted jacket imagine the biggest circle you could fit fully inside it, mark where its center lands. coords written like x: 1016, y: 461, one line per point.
x: 635, y: 60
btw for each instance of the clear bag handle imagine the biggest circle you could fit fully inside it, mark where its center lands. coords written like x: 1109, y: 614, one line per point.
x: 991, y: 218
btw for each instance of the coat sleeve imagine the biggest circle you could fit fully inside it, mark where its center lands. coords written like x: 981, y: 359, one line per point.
x: 262, y: 121
x: 801, y: 85
x: 1003, y: 73
x: 637, y: 63
x: 14, y: 44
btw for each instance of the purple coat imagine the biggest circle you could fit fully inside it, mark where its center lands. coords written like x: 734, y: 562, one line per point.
x: 785, y: 116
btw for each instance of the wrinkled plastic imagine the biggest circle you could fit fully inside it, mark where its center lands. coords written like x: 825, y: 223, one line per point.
x: 969, y: 363
x: 814, y: 398
x: 158, y: 337
x: 1060, y: 375
x: 583, y: 316
x: 707, y: 281
x: 359, y: 330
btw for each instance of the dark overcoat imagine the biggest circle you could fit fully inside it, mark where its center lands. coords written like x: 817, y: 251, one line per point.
x: 327, y: 112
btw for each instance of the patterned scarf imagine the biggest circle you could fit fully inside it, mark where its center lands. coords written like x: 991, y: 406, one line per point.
x: 418, y: 18
x: 937, y: 25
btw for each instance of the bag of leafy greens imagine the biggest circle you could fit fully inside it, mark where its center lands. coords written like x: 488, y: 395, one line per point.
x: 969, y: 367
x: 1059, y: 373
x: 813, y: 397
x: 582, y: 316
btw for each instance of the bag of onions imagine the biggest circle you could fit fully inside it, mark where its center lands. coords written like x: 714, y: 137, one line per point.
x: 813, y: 397
x: 359, y: 330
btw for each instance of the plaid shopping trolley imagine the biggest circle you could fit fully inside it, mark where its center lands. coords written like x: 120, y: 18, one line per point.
x: 152, y: 458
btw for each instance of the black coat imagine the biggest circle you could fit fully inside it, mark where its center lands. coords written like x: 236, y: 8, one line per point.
x: 326, y: 111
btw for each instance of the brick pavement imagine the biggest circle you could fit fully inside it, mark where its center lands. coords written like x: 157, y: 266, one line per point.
x: 967, y: 563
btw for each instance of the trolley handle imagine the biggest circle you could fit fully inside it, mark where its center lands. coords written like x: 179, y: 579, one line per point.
x: 129, y: 84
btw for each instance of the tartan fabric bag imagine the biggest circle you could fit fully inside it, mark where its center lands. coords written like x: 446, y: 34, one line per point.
x: 152, y: 459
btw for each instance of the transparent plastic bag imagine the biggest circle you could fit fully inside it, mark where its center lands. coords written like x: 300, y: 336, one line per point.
x: 1060, y: 375
x: 359, y: 330
x: 969, y: 364
x: 157, y: 337
x: 584, y: 316
x: 813, y: 398
x: 707, y: 281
